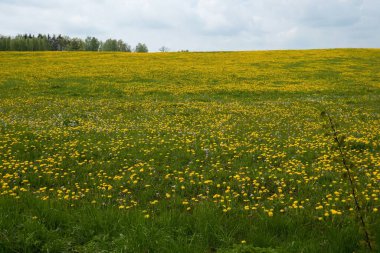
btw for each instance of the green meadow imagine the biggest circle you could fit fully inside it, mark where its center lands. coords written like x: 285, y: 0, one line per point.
x: 190, y: 152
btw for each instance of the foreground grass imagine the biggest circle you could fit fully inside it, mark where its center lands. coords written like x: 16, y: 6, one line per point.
x: 34, y: 226
x: 187, y: 152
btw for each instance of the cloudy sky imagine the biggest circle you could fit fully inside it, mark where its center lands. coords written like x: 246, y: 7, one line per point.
x: 202, y: 24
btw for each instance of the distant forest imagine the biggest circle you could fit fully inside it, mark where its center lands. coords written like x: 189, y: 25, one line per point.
x: 28, y: 42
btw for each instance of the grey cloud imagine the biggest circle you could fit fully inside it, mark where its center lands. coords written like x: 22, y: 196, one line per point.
x: 203, y: 24
x: 332, y: 13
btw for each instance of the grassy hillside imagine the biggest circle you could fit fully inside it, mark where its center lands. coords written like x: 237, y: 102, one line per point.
x: 189, y: 152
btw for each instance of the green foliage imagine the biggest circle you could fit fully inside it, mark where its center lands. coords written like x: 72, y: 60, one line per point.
x: 123, y: 47
x: 92, y: 44
x: 76, y: 44
x: 110, y: 45
x: 141, y: 48
x: 24, y: 43
x: 60, y: 43
x: 115, y: 45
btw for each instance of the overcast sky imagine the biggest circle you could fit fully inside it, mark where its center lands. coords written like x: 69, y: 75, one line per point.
x: 202, y: 24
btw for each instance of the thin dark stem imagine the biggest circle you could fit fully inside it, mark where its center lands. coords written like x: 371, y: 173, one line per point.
x: 352, y: 182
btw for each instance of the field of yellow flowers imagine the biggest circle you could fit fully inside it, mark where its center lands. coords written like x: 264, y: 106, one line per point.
x: 189, y: 152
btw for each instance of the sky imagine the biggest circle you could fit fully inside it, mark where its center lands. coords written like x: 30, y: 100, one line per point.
x: 202, y: 25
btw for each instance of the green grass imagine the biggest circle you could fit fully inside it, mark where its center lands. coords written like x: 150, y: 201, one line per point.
x: 204, y: 134
x: 85, y: 229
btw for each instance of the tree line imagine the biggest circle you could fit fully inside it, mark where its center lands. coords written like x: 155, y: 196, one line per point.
x: 28, y: 42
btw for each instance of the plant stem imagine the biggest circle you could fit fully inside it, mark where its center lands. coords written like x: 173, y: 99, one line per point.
x: 352, y: 182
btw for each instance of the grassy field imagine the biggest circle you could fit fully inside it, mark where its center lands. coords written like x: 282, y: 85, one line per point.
x: 189, y: 152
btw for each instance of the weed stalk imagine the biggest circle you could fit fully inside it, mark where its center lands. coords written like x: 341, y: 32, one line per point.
x: 350, y: 178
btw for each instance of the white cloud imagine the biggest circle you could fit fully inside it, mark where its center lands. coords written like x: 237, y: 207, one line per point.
x: 202, y: 24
